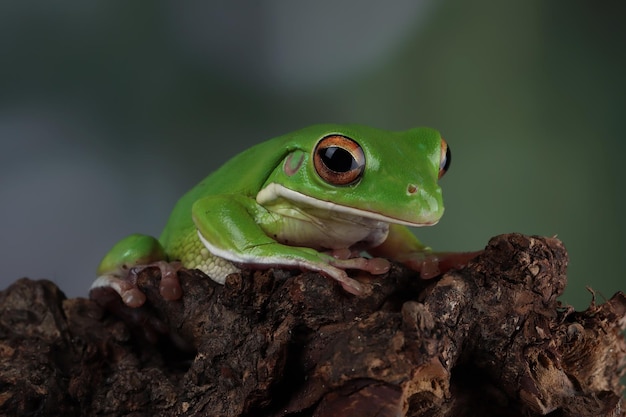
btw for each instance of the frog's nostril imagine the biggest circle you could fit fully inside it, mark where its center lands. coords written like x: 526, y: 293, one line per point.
x: 411, y: 189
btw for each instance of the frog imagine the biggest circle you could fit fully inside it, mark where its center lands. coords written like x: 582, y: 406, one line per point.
x: 328, y: 198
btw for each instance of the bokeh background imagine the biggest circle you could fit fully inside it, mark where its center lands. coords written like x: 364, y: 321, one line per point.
x: 111, y: 110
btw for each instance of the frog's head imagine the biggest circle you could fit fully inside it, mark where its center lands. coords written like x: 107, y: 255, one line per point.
x: 361, y: 171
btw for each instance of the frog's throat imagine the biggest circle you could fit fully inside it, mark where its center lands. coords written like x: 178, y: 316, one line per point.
x: 274, y: 191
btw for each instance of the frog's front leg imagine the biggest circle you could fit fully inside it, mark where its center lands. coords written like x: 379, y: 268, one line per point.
x: 401, y: 245
x: 119, y: 268
x: 230, y: 227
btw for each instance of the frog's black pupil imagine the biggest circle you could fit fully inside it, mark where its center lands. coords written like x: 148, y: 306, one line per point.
x: 337, y: 159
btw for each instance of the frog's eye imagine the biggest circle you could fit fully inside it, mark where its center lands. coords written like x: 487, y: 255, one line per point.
x: 339, y: 160
x: 445, y: 159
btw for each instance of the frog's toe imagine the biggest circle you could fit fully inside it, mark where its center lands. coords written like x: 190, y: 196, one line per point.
x: 337, y: 267
x: 169, y: 288
x: 128, y: 291
x: 431, y: 265
x: 427, y: 264
x: 341, y: 253
x: 352, y: 286
x: 338, y: 274
x: 375, y: 266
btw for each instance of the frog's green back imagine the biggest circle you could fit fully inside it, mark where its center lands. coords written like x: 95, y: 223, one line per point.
x: 244, y: 174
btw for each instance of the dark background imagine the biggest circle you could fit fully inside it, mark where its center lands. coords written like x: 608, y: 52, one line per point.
x: 111, y: 110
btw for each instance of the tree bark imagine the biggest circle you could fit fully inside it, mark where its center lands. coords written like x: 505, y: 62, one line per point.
x: 490, y: 339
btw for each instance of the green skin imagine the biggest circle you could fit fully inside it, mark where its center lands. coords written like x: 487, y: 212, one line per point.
x: 269, y: 207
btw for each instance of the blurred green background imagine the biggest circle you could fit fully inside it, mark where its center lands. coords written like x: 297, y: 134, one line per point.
x: 110, y: 110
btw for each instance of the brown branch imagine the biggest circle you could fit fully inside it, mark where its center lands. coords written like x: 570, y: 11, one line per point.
x: 490, y: 339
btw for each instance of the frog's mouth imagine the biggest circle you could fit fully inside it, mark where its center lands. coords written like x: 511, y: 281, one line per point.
x: 273, y: 192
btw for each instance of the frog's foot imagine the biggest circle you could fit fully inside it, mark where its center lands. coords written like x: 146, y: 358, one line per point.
x: 127, y: 289
x: 375, y: 266
x: 341, y: 260
x: 352, y: 259
x: 430, y: 265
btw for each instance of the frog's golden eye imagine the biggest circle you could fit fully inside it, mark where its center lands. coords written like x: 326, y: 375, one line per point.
x: 339, y: 160
x: 445, y: 159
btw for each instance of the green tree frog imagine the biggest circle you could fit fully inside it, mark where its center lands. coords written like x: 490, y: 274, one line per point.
x: 315, y: 199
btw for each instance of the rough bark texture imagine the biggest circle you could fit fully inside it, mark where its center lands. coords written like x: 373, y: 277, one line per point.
x: 490, y: 339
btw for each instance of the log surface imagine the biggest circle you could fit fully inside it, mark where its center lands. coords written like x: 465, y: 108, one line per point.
x: 487, y: 340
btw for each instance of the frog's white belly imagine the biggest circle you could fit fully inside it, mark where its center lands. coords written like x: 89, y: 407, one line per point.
x: 321, y: 231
